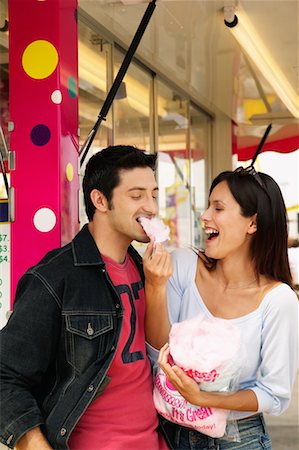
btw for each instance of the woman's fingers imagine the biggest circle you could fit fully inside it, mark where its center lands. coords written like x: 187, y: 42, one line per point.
x: 148, y: 251
x: 187, y: 387
x: 163, y: 354
x: 162, y: 259
x: 157, y: 263
x: 169, y: 371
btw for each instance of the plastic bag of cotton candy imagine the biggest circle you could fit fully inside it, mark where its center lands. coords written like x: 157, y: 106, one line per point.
x: 210, y: 352
x: 155, y: 229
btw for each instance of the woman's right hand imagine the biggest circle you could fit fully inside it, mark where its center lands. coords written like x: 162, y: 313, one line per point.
x: 157, y: 265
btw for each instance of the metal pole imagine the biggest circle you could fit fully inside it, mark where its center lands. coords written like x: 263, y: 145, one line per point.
x: 118, y: 79
x: 261, y: 144
x: 2, y: 162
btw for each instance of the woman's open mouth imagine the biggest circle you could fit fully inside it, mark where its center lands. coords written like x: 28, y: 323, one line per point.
x: 211, y: 233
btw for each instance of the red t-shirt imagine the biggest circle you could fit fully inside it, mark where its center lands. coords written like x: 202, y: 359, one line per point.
x: 124, y: 416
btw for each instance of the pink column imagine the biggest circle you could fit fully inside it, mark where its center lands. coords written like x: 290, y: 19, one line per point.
x: 43, y: 67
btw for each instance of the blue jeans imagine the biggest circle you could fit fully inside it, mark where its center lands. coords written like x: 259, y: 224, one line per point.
x: 252, y: 431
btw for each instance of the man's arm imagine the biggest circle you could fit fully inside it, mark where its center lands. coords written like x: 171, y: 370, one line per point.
x: 28, y: 347
x: 33, y: 440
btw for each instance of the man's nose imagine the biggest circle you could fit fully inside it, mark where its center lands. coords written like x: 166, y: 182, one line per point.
x: 151, y: 206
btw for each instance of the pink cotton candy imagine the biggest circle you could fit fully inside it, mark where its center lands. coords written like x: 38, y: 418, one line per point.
x: 210, y: 352
x: 155, y: 229
x: 207, y: 345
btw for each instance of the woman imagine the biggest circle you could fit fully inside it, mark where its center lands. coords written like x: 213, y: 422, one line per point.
x: 243, y: 276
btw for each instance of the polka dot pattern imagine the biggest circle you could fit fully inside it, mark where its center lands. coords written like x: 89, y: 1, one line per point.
x: 40, y: 135
x: 44, y: 220
x: 72, y: 87
x: 69, y: 172
x: 43, y: 104
x: 56, y: 97
x: 40, y: 59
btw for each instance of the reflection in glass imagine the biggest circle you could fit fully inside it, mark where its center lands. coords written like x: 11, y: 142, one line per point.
x: 199, y: 146
x: 93, y: 60
x: 174, y: 167
x: 132, y: 106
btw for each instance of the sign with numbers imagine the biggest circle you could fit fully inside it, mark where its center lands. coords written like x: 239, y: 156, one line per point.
x: 4, y: 272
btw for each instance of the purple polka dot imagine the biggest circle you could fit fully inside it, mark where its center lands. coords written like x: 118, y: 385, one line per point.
x: 40, y: 135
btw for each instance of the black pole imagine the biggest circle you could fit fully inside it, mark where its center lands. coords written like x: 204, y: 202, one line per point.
x: 4, y: 174
x: 118, y: 79
x: 261, y: 144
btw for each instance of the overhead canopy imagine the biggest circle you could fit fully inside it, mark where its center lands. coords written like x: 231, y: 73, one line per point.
x: 286, y: 145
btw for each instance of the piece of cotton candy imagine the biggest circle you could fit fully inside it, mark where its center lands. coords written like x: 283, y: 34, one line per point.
x: 210, y: 352
x: 207, y: 345
x: 155, y: 229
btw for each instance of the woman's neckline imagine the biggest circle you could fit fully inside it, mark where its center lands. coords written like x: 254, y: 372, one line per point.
x: 264, y: 291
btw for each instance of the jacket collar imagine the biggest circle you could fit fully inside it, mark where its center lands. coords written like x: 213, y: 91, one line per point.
x: 86, y: 252
x: 84, y: 249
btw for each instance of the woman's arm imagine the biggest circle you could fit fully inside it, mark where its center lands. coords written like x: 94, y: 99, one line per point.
x: 239, y: 401
x: 157, y: 270
x: 271, y: 392
x: 279, y: 351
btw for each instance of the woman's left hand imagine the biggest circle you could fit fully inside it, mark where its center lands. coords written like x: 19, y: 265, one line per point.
x: 185, y: 385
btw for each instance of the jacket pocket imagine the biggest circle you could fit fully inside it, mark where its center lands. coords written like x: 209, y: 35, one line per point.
x: 88, y: 338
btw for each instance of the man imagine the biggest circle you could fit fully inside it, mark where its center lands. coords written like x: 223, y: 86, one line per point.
x: 74, y: 371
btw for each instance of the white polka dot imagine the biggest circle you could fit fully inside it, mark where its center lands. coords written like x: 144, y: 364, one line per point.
x: 44, y: 219
x: 56, y: 97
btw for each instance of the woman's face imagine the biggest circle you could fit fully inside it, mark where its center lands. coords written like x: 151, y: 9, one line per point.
x: 228, y: 232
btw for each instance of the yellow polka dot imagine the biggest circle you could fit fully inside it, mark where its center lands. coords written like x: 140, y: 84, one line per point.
x: 69, y: 172
x: 40, y: 59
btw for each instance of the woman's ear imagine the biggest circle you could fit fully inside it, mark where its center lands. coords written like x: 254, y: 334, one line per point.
x: 252, y: 225
x: 99, y: 200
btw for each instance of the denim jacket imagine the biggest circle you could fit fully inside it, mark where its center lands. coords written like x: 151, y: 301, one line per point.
x: 59, y: 342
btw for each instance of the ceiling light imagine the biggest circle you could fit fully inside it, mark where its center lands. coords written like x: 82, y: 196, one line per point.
x: 252, y: 44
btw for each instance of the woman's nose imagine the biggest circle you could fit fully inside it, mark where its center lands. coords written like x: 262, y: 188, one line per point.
x: 204, y: 217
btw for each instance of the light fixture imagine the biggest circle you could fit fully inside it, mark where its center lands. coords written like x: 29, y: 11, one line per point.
x: 252, y: 44
x: 92, y: 70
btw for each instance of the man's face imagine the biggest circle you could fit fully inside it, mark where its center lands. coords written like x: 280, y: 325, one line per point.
x: 134, y: 197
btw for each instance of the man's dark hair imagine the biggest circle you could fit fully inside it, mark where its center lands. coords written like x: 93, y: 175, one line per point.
x: 103, y: 171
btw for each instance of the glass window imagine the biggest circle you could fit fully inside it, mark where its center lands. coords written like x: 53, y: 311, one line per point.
x: 94, y: 58
x: 132, y: 106
x: 182, y: 132
x: 174, y: 165
x: 94, y: 54
x: 200, y: 128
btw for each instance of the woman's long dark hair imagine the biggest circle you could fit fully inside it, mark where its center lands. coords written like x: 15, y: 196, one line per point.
x: 269, y: 244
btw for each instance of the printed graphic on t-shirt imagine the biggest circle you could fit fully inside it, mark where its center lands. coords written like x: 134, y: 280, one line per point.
x: 133, y: 294
x: 124, y: 416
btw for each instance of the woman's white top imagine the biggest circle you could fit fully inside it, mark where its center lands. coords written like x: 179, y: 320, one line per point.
x: 269, y: 335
